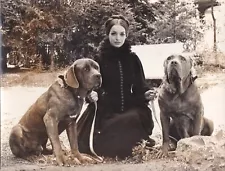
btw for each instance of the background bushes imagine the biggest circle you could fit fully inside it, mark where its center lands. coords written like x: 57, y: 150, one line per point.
x: 52, y: 34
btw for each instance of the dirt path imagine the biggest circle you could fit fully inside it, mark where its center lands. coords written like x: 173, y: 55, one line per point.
x: 16, y: 99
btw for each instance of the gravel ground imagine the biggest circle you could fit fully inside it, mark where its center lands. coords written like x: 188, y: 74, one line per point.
x: 16, y: 99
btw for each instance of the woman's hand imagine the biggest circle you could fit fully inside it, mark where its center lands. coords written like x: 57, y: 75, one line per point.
x: 150, y: 94
x: 93, y: 96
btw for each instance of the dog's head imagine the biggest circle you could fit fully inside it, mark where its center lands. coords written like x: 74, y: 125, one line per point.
x: 178, y: 69
x: 84, y: 73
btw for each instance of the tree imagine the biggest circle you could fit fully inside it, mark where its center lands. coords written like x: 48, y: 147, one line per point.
x: 55, y: 33
x: 177, y: 21
x: 40, y: 31
x: 203, y: 5
x: 214, y: 30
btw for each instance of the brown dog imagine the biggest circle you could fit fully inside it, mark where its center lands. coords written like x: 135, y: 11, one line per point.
x: 181, y: 108
x: 54, y: 111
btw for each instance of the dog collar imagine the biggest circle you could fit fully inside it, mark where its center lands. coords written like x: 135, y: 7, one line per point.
x: 79, y: 97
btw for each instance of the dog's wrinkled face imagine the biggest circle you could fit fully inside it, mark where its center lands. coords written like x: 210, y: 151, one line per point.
x: 177, y: 68
x: 84, y: 73
x: 88, y: 74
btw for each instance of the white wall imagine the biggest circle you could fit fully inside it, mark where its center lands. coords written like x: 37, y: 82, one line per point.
x: 153, y: 56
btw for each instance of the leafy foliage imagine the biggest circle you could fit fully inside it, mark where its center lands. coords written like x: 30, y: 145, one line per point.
x: 176, y: 21
x: 54, y: 33
x: 26, y: 25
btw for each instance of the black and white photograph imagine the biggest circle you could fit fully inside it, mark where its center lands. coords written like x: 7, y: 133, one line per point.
x: 112, y: 85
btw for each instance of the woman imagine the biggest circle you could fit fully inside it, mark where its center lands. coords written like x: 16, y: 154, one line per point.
x: 122, y: 118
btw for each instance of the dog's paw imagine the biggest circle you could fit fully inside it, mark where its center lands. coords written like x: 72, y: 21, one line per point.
x: 163, y: 151
x: 85, y: 158
x: 161, y: 154
x: 61, y: 161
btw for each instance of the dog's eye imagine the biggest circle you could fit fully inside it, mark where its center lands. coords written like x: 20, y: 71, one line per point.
x: 169, y: 58
x: 95, y: 67
x: 86, y: 68
x: 182, y: 58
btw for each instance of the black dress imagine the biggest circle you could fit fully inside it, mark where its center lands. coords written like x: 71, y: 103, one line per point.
x: 123, y: 117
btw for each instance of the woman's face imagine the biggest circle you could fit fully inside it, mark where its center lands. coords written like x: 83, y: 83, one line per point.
x: 117, y: 36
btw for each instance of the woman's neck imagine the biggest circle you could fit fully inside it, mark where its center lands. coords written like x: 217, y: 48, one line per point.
x: 108, y: 49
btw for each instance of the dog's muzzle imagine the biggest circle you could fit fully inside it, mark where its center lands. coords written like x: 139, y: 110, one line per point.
x: 173, y: 70
x: 98, y: 80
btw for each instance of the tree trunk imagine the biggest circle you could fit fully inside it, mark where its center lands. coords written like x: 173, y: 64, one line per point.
x: 174, y: 22
x: 214, y: 30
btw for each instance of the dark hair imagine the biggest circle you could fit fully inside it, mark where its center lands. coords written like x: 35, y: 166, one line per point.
x: 116, y: 19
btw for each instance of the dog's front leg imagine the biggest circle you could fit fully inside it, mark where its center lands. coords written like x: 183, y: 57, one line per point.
x: 51, y: 124
x: 197, y: 123
x: 165, y: 121
x: 72, y: 136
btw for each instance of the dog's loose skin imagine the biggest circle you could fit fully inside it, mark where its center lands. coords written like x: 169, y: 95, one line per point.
x: 50, y: 114
x: 181, y: 108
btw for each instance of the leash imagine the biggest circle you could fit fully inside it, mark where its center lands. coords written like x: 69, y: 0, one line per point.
x: 91, y: 141
x: 79, y: 116
x: 91, y: 136
x: 152, y: 106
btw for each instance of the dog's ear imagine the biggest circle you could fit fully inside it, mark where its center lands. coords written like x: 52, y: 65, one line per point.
x: 70, y: 77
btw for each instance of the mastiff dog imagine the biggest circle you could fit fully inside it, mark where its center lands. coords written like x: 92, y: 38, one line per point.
x: 181, y: 108
x: 54, y: 111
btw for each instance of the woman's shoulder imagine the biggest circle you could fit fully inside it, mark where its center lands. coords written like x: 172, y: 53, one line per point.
x: 135, y: 57
x: 133, y: 54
